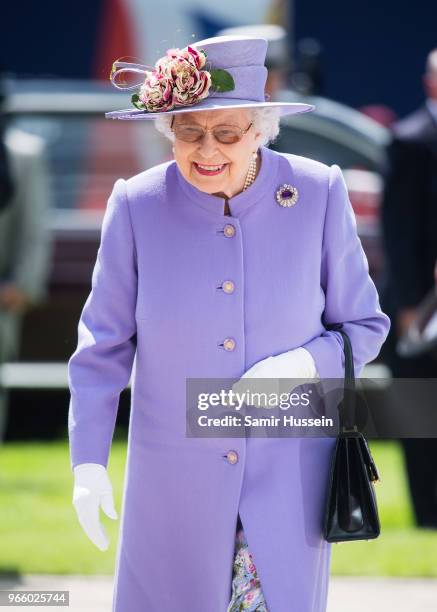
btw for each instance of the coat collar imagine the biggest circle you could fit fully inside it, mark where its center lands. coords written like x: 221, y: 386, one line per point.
x: 265, y: 182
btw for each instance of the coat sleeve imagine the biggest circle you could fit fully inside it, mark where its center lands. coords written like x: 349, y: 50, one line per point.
x: 351, y: 297
x: 101, y: 366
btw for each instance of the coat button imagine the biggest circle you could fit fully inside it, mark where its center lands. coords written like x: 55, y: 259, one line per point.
x: 228, y: 286
x: 229, y: 344
x: 229, y: 230
x: 232, y: 457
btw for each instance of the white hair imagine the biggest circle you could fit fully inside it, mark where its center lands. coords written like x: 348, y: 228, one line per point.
x: 265, y: 120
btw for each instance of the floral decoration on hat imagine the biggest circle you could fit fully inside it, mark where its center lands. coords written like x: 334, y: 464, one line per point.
x: 178, y: 79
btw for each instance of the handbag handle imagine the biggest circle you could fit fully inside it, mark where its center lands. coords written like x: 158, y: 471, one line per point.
x: 348, y: 421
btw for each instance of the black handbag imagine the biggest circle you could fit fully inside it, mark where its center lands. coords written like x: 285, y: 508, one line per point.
x: 351, y: 511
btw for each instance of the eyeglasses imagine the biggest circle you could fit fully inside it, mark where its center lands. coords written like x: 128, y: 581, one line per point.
x: 225, y: 134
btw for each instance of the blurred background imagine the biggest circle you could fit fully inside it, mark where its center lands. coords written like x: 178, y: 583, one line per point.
x: 365, y: 67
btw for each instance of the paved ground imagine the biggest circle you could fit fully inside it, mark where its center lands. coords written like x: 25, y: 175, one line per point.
x: 93, y: 594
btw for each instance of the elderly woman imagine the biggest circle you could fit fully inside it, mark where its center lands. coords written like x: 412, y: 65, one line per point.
x: 221, y: 263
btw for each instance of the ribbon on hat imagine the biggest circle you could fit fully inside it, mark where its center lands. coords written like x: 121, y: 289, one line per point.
x: 122, y: 68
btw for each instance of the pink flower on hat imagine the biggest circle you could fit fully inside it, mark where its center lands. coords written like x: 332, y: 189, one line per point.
x: 178, y: 80
x: 191, y: 89
x: 156, y: 93
x: 190, y: 54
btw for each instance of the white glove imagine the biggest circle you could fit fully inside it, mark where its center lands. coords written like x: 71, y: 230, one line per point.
x: 297, y: 364
x: 92, y: 489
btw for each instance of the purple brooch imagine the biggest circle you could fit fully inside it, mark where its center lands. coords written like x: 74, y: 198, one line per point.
x: 287, y: 195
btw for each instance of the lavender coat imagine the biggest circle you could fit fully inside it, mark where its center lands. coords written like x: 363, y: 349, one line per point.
x: 156, y: 309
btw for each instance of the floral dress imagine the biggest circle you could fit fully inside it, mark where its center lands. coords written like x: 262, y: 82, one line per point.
x: 246, y: 586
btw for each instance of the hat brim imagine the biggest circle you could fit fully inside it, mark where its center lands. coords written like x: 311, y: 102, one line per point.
x: 286, y: 108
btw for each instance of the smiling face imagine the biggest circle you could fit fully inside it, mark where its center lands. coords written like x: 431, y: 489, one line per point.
x: 233, y: 159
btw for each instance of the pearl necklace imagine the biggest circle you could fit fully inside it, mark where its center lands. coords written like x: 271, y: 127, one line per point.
x: 251, y: 173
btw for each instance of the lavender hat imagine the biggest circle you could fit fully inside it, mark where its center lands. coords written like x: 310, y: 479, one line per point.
x: 215, y: 73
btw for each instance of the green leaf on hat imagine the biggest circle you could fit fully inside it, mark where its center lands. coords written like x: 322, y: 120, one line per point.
x: 222, y: 80
x: 136, y: 102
